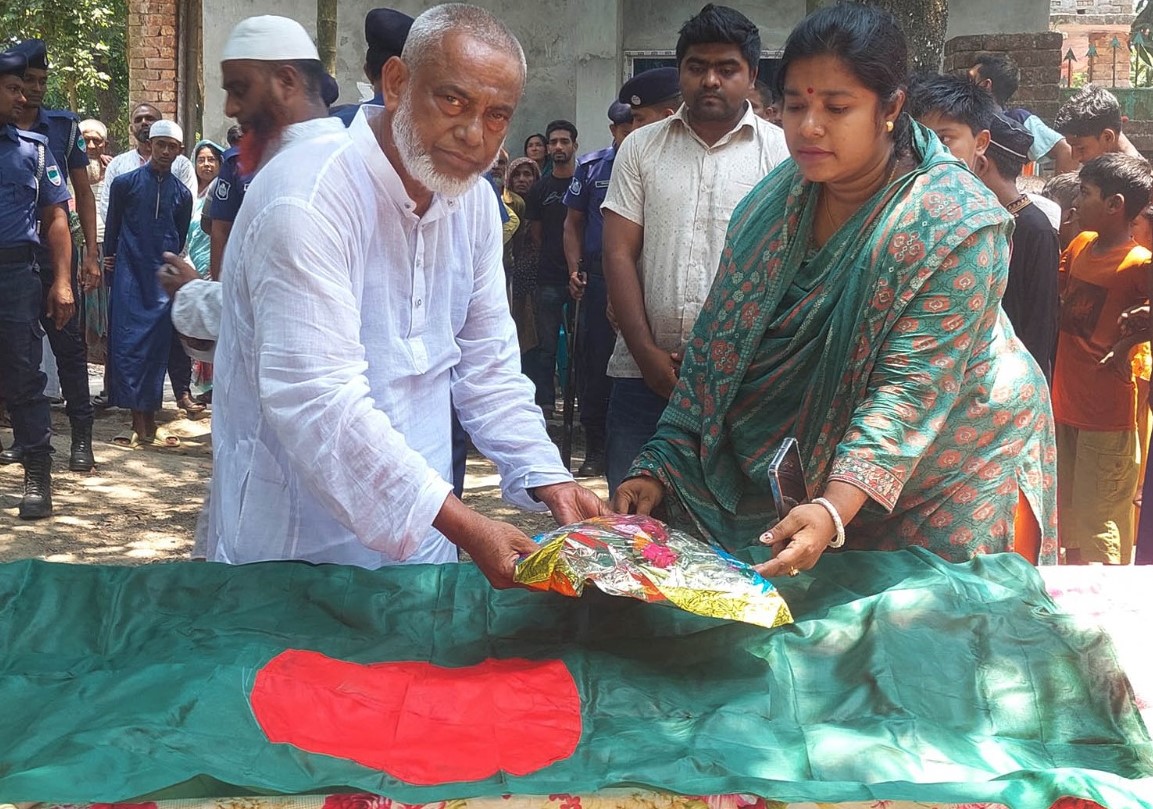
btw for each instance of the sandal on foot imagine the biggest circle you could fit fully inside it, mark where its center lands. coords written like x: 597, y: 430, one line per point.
x: 161, y: 440
x: 128, y: 440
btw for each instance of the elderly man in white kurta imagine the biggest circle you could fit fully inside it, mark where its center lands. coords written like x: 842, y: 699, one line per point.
x: 363, y: 285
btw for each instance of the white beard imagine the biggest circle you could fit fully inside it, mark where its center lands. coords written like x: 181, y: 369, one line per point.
x: 416, y: 160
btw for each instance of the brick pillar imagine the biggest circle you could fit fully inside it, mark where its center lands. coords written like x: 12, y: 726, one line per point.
x: 1038, y: 56
x: 152, y: 49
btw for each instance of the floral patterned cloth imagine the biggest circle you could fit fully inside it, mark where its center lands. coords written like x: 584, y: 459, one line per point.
x: 615, y: 800
x: 885, y: 352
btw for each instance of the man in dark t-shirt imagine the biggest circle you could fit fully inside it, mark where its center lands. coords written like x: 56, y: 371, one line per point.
x: 546, y: 211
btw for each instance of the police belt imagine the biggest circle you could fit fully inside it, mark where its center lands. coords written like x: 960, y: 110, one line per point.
x: 11, y: 255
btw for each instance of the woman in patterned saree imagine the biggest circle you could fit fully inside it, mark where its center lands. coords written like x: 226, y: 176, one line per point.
x: 857, y: 308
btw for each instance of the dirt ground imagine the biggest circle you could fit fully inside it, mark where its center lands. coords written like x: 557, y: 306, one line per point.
x: 139, y: 506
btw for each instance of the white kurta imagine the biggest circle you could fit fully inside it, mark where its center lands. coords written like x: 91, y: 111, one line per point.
x: 347, y: 323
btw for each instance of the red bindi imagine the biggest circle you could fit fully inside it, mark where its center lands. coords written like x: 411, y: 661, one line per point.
x: 809, y: 91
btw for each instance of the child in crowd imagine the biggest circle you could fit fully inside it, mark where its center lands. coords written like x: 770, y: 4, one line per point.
x: 957, y: 110
x: 964, y: 117
x: 1103, y: 275
x: 1063, y: 190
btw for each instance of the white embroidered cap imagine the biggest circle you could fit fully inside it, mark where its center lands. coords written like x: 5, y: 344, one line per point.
x: 166, y: 129
x: 269, y: 38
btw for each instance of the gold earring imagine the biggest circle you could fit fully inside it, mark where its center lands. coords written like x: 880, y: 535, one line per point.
x: 888, y: 126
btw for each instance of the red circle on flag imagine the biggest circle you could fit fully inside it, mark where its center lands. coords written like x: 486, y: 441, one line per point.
x: 421, y: 723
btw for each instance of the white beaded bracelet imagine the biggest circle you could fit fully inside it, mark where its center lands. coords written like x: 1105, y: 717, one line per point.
x: 840, y: 526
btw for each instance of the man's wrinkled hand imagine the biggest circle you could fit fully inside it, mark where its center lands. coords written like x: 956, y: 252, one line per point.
x: 639, y: 495
x: 570, y: 502
x: 61, y: 304
x: 175, y: 273
x: 497, y: 552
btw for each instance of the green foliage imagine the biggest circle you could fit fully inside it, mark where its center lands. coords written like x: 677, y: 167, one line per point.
x: 1141, y: 45
x: 87, y: 52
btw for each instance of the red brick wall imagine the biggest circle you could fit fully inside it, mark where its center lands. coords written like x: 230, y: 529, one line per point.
x: 152, y: 49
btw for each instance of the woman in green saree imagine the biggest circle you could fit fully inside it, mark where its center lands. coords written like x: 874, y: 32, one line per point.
x: 857, y: 308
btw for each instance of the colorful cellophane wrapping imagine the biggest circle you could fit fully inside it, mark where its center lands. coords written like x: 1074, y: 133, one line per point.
x: 642, y: 558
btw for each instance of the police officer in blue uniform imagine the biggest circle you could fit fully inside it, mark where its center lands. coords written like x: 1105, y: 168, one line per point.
x: 596, y: 337
x: 62, y: 128
x: 385, y: 31
x: 32, y: 192
x: 227, y: 194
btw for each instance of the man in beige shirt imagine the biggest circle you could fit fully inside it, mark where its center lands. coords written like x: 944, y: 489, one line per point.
x: 674, y: 186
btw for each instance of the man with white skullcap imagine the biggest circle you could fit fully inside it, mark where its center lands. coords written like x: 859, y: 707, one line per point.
x: 148, y: 214
x: 269, y: 62
x: 272, y: 73
x: 363, y: 288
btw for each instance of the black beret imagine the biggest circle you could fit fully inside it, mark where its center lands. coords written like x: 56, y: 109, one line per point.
x: 329, y: 90
x: 385, y: 31
x: 35, y: 51
x: 620, y: 113
x: 1010, y: 137
x: 651, y: 87
x: 13, y: 63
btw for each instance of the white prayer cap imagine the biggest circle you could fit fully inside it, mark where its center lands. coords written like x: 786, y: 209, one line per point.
x: 269, y: 38
x: 166, y: 129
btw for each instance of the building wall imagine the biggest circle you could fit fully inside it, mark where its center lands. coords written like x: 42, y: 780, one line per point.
x: 968, y: 17
x: 1092, y: 7
x: 575, y: 50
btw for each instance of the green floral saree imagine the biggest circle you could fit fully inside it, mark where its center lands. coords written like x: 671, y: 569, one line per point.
x: 885, y: 352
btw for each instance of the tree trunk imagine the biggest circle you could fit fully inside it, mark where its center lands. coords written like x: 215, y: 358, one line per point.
x: 326, y: 33
x: 923, y: 22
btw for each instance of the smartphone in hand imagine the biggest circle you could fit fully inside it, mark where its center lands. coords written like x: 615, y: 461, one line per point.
x: 787, y: 478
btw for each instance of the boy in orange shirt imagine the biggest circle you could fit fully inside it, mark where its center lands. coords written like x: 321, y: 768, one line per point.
x: 1103, y: 274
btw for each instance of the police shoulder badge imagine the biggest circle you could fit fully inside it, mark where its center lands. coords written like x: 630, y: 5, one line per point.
x: 53, y: 175
x: 80, y: 144
x: 223, y: 189
x: 575, y: 188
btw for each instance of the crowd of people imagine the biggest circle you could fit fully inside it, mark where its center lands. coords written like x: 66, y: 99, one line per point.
x: 840, y: 254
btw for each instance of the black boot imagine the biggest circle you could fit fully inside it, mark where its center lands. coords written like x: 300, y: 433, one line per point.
x: 37, y: 502
x: 80, y: 459
x: 14, y: 454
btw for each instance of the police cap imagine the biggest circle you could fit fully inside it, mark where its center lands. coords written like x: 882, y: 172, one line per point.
x: 620, y: 113
x: 651, y: 87
x: 13, y: 63
x: 1010, y: 137
x: 385, y: 31
x: 35, y: 51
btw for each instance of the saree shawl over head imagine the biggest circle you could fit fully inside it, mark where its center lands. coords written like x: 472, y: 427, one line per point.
x: 789, y: 337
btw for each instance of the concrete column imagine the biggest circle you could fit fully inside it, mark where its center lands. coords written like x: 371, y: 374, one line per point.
x: 595, y: 38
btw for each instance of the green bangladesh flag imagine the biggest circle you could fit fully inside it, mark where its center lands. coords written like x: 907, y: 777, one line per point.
x: 903, y: 678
